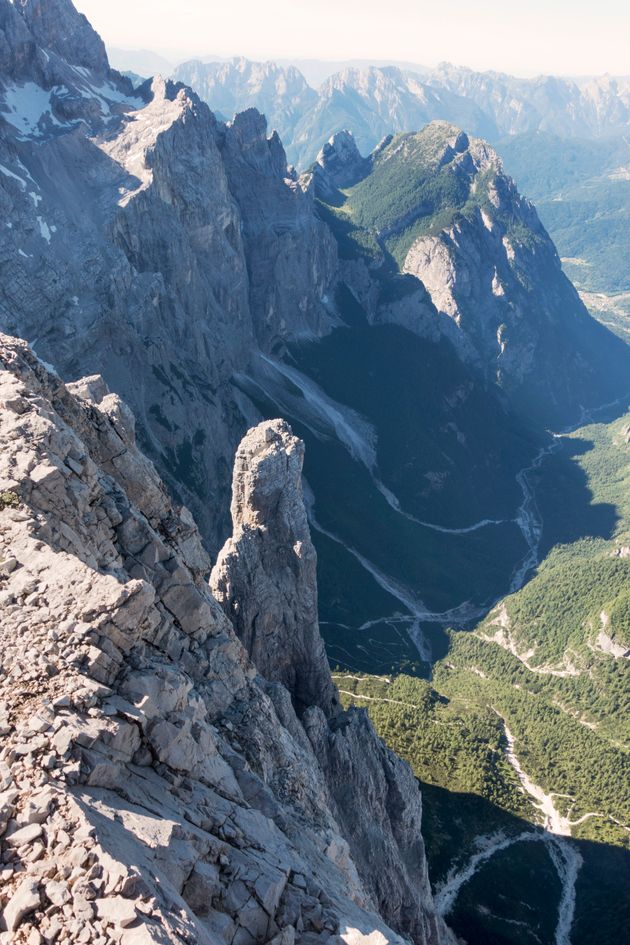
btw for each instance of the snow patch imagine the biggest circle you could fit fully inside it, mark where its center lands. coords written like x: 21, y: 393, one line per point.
x: 44, y: 229
x: 7, y: 173
x: 28, y: 105
x: 105, y: 93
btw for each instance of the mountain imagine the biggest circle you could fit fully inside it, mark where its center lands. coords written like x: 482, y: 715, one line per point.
x: 373, y: 100
x: 281, y: 94
x: 595, y: 107
x: 316, y: 71
x: 406, y: 313
x: 129, y: 252
x: 562, y: 139
x: 438, y: 206
x: 373, y: 103
x: 155, y: 787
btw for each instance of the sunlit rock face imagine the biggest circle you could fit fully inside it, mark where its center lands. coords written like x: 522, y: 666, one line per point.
x: 148, y: 243
x: 144, y: 756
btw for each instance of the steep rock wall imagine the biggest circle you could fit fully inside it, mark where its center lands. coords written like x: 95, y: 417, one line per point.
x: 153, y: 786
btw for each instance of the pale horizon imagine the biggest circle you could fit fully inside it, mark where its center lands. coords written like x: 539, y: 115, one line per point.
x: 554, y: 38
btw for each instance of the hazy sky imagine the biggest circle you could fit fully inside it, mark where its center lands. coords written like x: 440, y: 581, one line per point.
x: 524, y: 37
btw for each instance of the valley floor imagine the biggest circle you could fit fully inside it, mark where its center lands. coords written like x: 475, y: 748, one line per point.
x: 521, y: 737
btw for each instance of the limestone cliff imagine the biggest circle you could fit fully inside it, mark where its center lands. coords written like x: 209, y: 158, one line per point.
x: 265, y: 575
x: 154, y: 787
x: 265, y: 579
x: 148, y: 243
x: 434, y: 215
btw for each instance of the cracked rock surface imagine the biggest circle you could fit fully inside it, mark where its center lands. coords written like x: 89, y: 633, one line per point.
x: 154, y: 787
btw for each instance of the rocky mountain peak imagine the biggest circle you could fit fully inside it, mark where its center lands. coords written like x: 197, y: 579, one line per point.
x: 340, y: 160
x: 247, y: 133
x: 265, y: 576
x: 240, y: 84
x: 56, y: 25
x: 267, y: 486
x: 54, y: 72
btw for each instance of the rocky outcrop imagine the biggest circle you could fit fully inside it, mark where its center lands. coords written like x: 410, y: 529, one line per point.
x: 54, y: 24
x: 154, y: 787
x: 265, y: 575
x: 291, y: 255
x: 281, y: 94
x: 493, y: 270
x: 148, y: 243
x: 384, y: 836
x: 265, y: 580
x: 339, y: 163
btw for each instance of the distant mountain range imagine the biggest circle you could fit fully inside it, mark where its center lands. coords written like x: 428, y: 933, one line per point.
x: 368, y: 96
x: 147, y: 62
x: 376, y: 100
x: 582, y: 188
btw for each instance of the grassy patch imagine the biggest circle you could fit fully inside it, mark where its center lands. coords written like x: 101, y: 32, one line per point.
x: 9, y: 500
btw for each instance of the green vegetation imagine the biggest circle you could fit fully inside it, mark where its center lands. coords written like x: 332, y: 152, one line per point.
x: 418, y: 186
x: 9, y: 500
x: 535, y: 665
x: 581, y: 190
x: 559, y: 610
x: 454, y: 742
x: 618, y: 609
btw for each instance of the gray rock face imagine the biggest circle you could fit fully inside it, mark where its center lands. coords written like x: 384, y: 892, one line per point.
x: 281, y: 94
x: 265, y: 575
x: 55, y: 24
x: 50, y: 44
x: 495, y: 273
x: 291, y: 255
x: 265, y: 580
x: 339, y: 163
x: 154, y: 788
x: 377, y: 101
x: 384, y: 837
x: 149, y: 244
